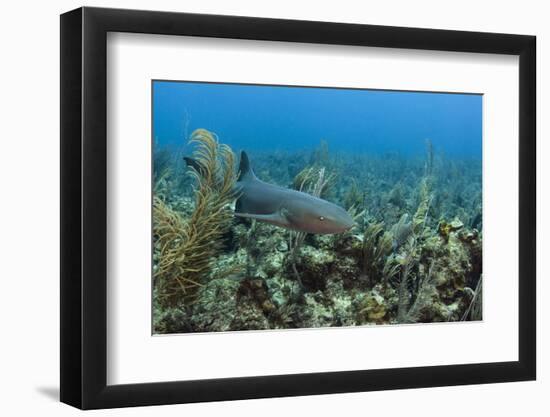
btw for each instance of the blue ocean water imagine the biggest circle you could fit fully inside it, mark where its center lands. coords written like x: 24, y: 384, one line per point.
x: 264, y: 118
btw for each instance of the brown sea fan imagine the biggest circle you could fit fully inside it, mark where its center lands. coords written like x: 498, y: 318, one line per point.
x: 186, y: 249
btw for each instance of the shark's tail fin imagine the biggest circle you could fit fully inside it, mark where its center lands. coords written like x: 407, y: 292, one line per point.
x: 245, y: 170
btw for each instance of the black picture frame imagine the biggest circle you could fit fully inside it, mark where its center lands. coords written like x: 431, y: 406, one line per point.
x: 84, y: 207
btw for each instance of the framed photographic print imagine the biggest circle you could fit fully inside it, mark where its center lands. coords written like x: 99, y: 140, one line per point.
x: 258, y: 207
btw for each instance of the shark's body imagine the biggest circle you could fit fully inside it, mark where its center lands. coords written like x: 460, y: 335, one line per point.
x: 283, y: 207
x: 286, y: 208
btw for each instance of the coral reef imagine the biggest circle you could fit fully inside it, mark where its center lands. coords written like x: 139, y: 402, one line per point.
x: 415, y: 255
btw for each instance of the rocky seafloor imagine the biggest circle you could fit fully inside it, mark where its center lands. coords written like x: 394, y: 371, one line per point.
x: 334, y: 288
x: 414, y: 257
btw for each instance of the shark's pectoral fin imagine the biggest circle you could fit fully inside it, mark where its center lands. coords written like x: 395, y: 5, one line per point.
x: 276, y: 218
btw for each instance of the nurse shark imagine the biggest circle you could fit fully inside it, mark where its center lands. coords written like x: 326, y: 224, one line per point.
x: 283, y: 207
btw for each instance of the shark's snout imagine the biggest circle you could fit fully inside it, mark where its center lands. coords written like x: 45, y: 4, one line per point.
x: 326, y: 218
x: 344, y: 221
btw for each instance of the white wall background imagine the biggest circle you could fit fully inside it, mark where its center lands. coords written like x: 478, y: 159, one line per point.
x: 29, y: 176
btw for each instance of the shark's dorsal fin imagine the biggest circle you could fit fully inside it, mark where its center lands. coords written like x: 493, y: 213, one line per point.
x: 245, y: 170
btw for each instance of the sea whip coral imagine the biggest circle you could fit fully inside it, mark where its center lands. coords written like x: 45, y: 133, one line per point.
x: 187, y: 248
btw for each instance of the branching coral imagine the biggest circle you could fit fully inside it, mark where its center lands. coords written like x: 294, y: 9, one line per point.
x: 313, y: 180
x: 377, y: 245
x: 413, y: 257
x: 354, y: 197
x: 410, y: 304
x: 401, y: 231
x: 186, y: 249
x: 421, y: 215
x: 474, y: 310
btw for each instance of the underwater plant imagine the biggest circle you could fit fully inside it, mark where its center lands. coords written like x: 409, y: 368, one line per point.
x: 377, y: 246
x: 474, y: 310
x: 162, y: 169
x: 186, y: 249
x: 320, y: 156
x: 421, y: 215
x: 401, y: 231
x: 354, y: 197
x: 410, y: 304
x: 313, y: 180
x: 412, y: 298
x: 396, y: 196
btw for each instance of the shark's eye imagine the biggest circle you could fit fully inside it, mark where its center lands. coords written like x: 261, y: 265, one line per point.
x: 321, y: 218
